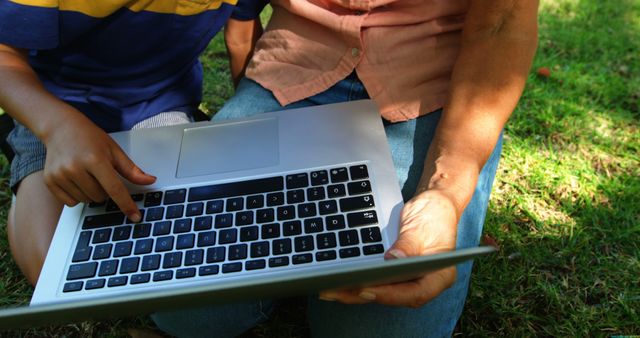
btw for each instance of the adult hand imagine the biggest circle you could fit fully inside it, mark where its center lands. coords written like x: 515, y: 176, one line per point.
x: 84, y: 164
x: 428, y: 225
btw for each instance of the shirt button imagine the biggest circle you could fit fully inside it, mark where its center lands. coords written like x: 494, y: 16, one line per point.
x: 355, y: 52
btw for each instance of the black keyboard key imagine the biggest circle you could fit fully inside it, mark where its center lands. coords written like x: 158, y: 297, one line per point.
x: 121, y: 233
x: 325, y: 255
x: 95, y: 284
x: 237, y: 252
x: 73, y: 286
x: 101, y: 236
x: 228, y: 236
x: 82, y: 254
x: 235, y: 204
x: 175, y: 196
x: 248, y: 234
x: 161, y: 228
x: 185, y: 273
x: 356, y: 203
x: 111, y: 206
x: 175, y: 211
x: 250, y: 187
x: 315, y: 194
x: 104, y: 220
x: 117, y: 281
x: 244, y: 218
x: 281, y: 246
x: 195, y: 209
x: 160, y: 276
x: 143, y: 246
x: 95, y: 204
x: 171, y: 260
x: 373, y: 249
x: 278, y: 261
x: 193, y: 257
x: 208, y: 270
x: 142, y: 230
x: 349, y: 252
x: 307, y: 210
x: 295, y: 196
x: 326, y: 240
x: 84, y: 239
x: 336, y: 190
x: 304, y: 243
x: 181, y: 225
x: 255, y: 264
x: 319, y: 177
x: 207, y: 238
x: 335, y: 222
x: 81, y: 271
x: 328, y: 207
x: 164, y: 244
x: 348, y: 237
x: 186, y: 241
x: 108, y: 268
x: 286, y: 213
x: 102, y: 251
x: 154, y: 214
x: 215, y: 207
x: 271, y: 230
x: 216, y: 254
x: 339, y: 175
x: 358, y: 172
x: 265, y: 216
x: 313, y: 225
x: 203, y: 223
x: 150, y: 262
x: 370, y: 235
x: 259, y: 249
x: 140, y: 278
x: 357, y: 188
x: 356, y: 219
x: 152, y: 199
x: 137, y: 197
x: 129, y: 265
x: 122, y: 249
x: 275, y: 199
x: 297, y: 181
x: 292, y: 228
x: 223, y: 221
x: 255, y: 201
x: 302, y: 258
x: 231, y: 267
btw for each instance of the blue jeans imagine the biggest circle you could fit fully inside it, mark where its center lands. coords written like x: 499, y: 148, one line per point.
x: 409, y: 143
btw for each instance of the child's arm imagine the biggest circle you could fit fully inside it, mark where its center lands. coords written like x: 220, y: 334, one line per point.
x: 83, y: 163
x: 240, y: 38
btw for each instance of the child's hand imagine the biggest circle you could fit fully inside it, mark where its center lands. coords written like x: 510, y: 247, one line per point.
x: 84, y: 164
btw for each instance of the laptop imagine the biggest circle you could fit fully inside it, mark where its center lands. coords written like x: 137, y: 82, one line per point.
x: 278, y: 204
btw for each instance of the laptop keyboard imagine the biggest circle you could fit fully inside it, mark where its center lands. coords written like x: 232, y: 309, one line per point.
x: 221, y: 229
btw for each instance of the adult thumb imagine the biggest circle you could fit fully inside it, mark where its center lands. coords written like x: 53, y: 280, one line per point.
x: 407, y: 245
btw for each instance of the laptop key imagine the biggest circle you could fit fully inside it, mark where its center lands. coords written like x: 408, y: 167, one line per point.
x: 248, y: 234
x: 271, y: 230
x: 325, y: 255
x: 82, y: 254
x: 140, y: 278
x: 358, y: 172
x: 307, y: 210
x: 161, y: 228
x: 356, y: 219
x: 95, y: 284
x: 207, y: 238
x: 231, y: 267
x: 154, y: 214
x: 84, y: 239
x: 195, y: 209
x: 137, y: 197
x: 286, y: 213
x: 275, y: 199
x: 223, y: 221
x: 129, y: 265
x: 313, y: 225
x: 185, y: 241
x: 275, y: 262
x: 174, y: 211
x: 185, y: 273
x: 292, y: 228
x: 295, y: 196
x: 141, y: 230
x: 304, y: 243
x: 164, y: 244
x: 152, y: 199
x: 73, y: 286
x: 101, y: 236
x: 244, y: 218
x: 328, y: 207
x: 302, y: 258
x: 259, y: 249
x: 182, y: 225
x: 336, y: 190
x: 237, y: 252
x: 150, y: 262
x: 216, y: 254
x: 108, y: 268
x: 349, y: 252
x: 123, y: 249
x: 373, y: 249
x: 281, y: 246
x: 171, y: 260
x: 255, y: 264
x: 255, y: 201
x: 143, y: 246
x: 203, y: 223
x: 228, y: 236
x: 215, y: 207
x: 265, y: 216
x: 111, y: 206
x: 121, y: 233
x: 81, y: 271
x: 102, y: 251
x: 235, y: 204
x: 315, y: 193
x: 117, y: 281
x: 300, y: 180
x: 356, y: 203
x: 104, y: 220
x: 193, y: 257
x: 348, y: 237
x: 339, y: 175
x: 175, y: 196
x: 357, y: 188
x: 326, y: 240
x: 335, y: 222
x: 370, y: 235
x: 162, y: 275
x: 319, y: 177
x: 208, y: 270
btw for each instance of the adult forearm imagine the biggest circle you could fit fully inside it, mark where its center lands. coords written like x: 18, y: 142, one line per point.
x: 498, y: 44
x: 23, y: 96
x: 240, y: 39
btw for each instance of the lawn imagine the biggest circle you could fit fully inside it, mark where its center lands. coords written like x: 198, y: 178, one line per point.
x: 565, y: 209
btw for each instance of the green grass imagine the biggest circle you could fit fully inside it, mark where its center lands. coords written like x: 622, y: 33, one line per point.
x: 565, y: 207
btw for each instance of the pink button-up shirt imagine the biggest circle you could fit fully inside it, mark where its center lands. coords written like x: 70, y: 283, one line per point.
x: 402, y: 50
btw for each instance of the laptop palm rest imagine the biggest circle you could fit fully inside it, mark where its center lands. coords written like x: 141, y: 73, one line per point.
x: 217, y: 148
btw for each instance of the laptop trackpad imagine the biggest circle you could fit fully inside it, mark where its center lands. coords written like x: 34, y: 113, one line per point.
x: 228, y: 147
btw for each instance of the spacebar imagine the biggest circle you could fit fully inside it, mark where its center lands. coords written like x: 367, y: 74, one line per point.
x: 223, y: 190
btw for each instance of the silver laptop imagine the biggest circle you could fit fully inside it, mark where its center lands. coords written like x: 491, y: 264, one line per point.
x: 278, y: 204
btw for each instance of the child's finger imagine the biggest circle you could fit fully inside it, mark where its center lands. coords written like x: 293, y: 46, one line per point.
x: 113, y: 186
x: 129, y: 170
